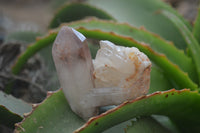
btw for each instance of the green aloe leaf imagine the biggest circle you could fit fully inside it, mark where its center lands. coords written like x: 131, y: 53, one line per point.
x: 76, y: 11
x: 158, y: 81
x: 169, y: 103
x: 192, y: 43
x: 146, y: 125
x: 8, y: 118
x: 196, y: 28
x: 171, y: 70
x: 141, y: 35
x: 53, y: 115
x: 12, y: 110
x: 145, y: 13
x: 54, y: 112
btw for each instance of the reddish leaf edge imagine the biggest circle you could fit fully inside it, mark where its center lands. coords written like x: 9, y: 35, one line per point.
x: 91, y: 19
x: 93, y: 119
x: 152, y: 54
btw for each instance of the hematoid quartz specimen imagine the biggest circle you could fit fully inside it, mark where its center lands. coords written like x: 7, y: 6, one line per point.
x: 116, y: 74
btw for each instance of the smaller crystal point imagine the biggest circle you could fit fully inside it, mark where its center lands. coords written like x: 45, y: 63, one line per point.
x: 74, y: 68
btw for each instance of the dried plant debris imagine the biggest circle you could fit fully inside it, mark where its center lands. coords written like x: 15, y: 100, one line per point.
x: 119, y: 73
x: 28, y: 84
x: 8, y: 53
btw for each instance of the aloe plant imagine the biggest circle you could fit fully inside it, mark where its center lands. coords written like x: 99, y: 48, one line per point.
x: 164, y: 37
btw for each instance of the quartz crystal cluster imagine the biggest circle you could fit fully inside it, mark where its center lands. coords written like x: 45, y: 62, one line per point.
x: 116, y: 74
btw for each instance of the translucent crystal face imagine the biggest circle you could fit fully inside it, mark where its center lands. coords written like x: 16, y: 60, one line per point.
x: 74, y: 68
x: 119, y: 73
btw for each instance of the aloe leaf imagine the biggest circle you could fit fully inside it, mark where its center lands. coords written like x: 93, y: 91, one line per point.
x: 143, y: 125
x: 76, y: 11
x: 168, y: 67
x: 54, y: 112
x: 12, y: 109
x: 93, y: 49
x: 141, y: 35
x: 192, y: 43
x: 119, y: 128
x: 53, y: 115
x: 169, y: 103
x: 196, y: 28
x: 158, y: 81
x: 166, y: 122
x: 171, y: 70
x: 145, y: 13
x: 146, y: 125
x: 8, y: 118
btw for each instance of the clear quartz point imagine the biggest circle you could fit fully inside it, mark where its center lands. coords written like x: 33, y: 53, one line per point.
x: 119, y: 73
x: 74, y: 68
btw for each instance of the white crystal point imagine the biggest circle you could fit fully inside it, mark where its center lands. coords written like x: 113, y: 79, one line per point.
x: 74, y: 68
x: 122, y: 67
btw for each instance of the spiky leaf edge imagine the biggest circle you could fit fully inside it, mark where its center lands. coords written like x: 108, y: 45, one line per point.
x: 117, y: 115
x: 173, y: 71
